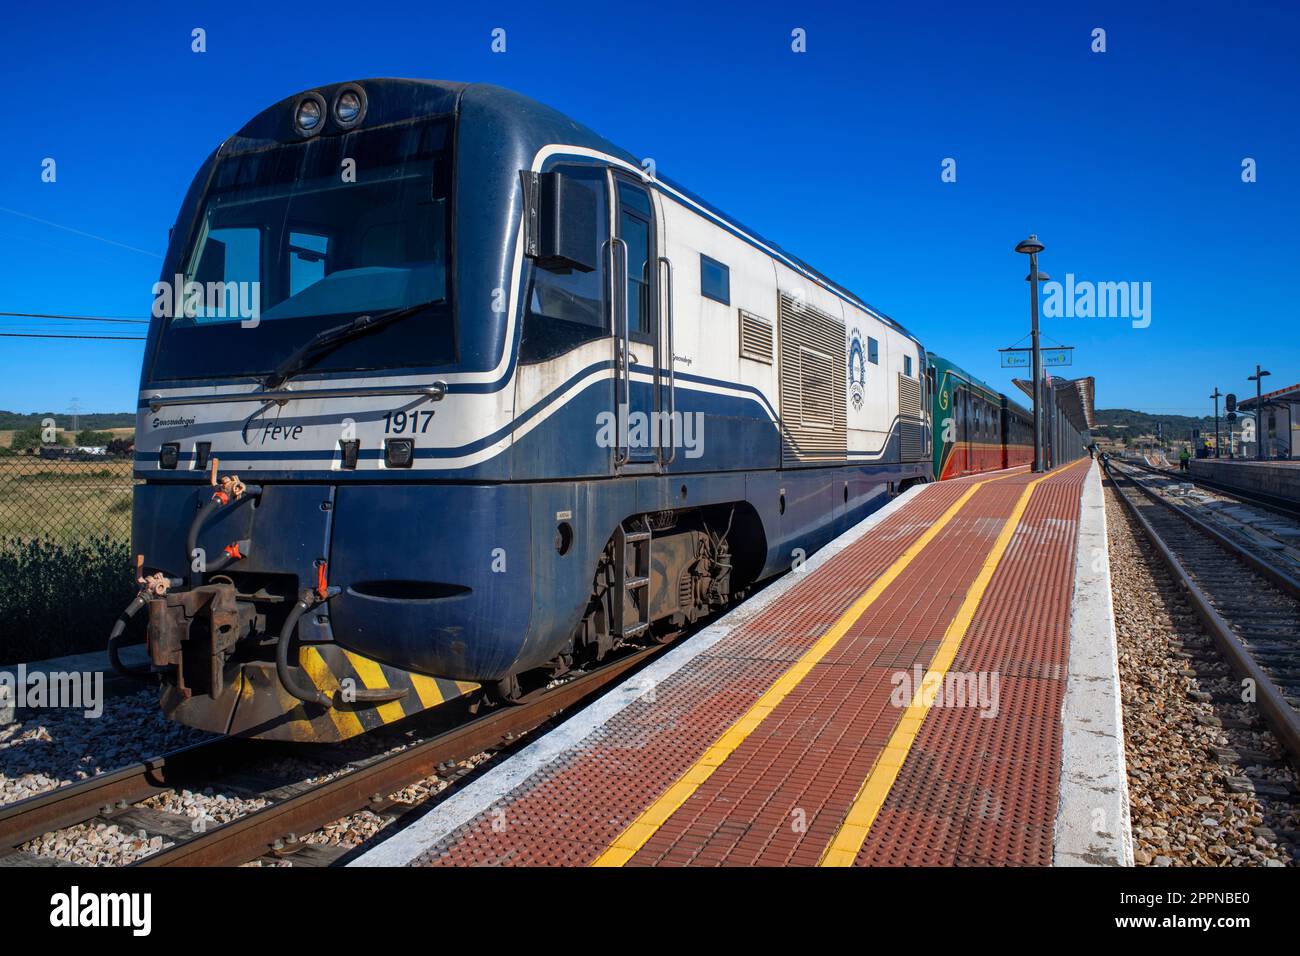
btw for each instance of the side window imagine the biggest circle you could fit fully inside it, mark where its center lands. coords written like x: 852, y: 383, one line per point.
x: 565, y: 308
x: 715, y: 280
x: 634, y: 218
x: 873, y: 351
x: 227, y: 255
x: 907, y: 365
x: 306, y: 260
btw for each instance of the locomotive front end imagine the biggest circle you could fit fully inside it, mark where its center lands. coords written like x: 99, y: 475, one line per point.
x: 310, y: 487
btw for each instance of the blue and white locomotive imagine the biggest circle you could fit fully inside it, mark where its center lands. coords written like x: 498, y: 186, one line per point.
x: 444, y: 392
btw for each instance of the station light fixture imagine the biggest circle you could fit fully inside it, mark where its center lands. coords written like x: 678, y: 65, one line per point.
x: 1032, y: 247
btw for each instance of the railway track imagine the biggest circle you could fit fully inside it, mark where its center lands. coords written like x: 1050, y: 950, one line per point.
x: 1271, y: 503
x: 272, y: 830
x: 1249, y: 605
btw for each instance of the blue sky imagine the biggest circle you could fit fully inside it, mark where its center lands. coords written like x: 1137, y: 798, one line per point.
x: 1126, y: 163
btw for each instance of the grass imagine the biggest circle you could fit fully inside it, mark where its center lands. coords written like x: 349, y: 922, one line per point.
x: 65, y: 555
x: 60, y: 598
x: 65, y: 501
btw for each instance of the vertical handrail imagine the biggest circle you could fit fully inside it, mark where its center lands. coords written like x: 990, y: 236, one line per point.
x: 622, y: 343
x: 667, y: 296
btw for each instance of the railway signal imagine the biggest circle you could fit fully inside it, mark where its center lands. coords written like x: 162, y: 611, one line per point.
x: 1215, y: 396
x: 1230, y: 404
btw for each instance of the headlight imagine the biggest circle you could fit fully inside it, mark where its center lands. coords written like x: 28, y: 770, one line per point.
x: 349, y: 106
x: 309, y: 114
x: 399, y: 452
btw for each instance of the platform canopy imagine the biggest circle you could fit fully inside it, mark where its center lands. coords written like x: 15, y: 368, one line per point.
x: 1281, y: 396
x: 1073, y: 396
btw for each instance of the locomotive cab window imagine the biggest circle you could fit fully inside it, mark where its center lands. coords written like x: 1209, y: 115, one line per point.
x: 636, y: 228
x: 280, y: 231
x: 907, y: 365
x: 306, y: 260
x: 873, y: 351
x: 566, y: 307
x: 715, y: 280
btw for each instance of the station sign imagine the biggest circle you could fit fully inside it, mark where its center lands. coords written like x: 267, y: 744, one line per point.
x: 1051, y: 358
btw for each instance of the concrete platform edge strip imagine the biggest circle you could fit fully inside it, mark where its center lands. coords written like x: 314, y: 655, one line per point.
x: 132, y: 654
x: 436, y: 825
x: 1093, y: 826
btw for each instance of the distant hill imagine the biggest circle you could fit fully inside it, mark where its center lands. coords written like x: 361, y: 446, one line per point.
x: 1119, y: 422
x: 12, y: 421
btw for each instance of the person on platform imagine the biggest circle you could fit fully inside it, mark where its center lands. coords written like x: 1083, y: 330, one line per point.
x: 1184, y: 459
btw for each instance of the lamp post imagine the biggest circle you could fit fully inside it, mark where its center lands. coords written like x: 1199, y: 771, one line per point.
x: 1261, y: 453
x: 1215, y: 396
x: 1032, y: 247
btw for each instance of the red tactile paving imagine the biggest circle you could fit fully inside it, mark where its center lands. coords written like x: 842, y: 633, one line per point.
x: 970, y: 790
x: 988, y: 785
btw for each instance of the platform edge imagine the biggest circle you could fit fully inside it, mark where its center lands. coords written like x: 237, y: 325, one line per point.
x: 1093, y: 825
x: 421, y: 835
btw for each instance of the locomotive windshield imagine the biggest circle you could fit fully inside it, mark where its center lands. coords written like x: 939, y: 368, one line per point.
x: 294, y: 239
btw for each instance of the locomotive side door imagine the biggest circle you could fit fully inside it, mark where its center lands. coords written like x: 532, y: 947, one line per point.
x: 642, y: 384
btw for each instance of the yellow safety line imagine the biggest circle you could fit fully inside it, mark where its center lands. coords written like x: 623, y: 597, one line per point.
x: 844, y: 846
x: 653, y: 817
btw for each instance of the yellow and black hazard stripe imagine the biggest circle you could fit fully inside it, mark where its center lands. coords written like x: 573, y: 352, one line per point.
x: 345, y: 676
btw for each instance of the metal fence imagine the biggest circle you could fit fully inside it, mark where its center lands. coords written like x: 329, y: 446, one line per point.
x: 65, y: 550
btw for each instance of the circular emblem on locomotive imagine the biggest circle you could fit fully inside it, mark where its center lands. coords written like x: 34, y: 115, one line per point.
x: 857, y: 370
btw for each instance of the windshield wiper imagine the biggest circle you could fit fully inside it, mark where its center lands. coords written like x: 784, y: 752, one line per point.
x: 327, y: 340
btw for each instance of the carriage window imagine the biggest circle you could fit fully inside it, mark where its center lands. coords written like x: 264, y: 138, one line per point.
x: 873, y: 351
x: 907, y: 365
x: 565, y: 309
x: 715, y: 280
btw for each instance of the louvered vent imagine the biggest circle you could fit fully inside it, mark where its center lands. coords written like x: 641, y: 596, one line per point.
x: 911, y: 424
x: 815, y: 391
x: 813, y: 383
x: 755, y: 337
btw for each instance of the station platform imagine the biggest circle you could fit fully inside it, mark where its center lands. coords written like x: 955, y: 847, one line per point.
x: 937, y: 686
x: 1280, y: 479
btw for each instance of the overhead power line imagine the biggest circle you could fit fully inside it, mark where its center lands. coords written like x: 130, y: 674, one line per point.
x: 49, y: 335
x: 75, y: 318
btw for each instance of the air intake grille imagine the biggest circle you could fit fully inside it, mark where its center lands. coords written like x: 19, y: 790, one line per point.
x: 911, y: 424
x: 755, y: 337
x: 813, y: 384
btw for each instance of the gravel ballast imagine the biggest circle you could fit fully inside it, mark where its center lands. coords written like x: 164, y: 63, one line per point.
x: 1178, y: 694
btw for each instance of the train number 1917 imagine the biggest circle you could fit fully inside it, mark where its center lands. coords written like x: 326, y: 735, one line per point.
x: 397, y: 423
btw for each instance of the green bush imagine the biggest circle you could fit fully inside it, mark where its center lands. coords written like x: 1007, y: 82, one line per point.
x: 89, y: 438
x: 31, y: 439
x: 60, y: 598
